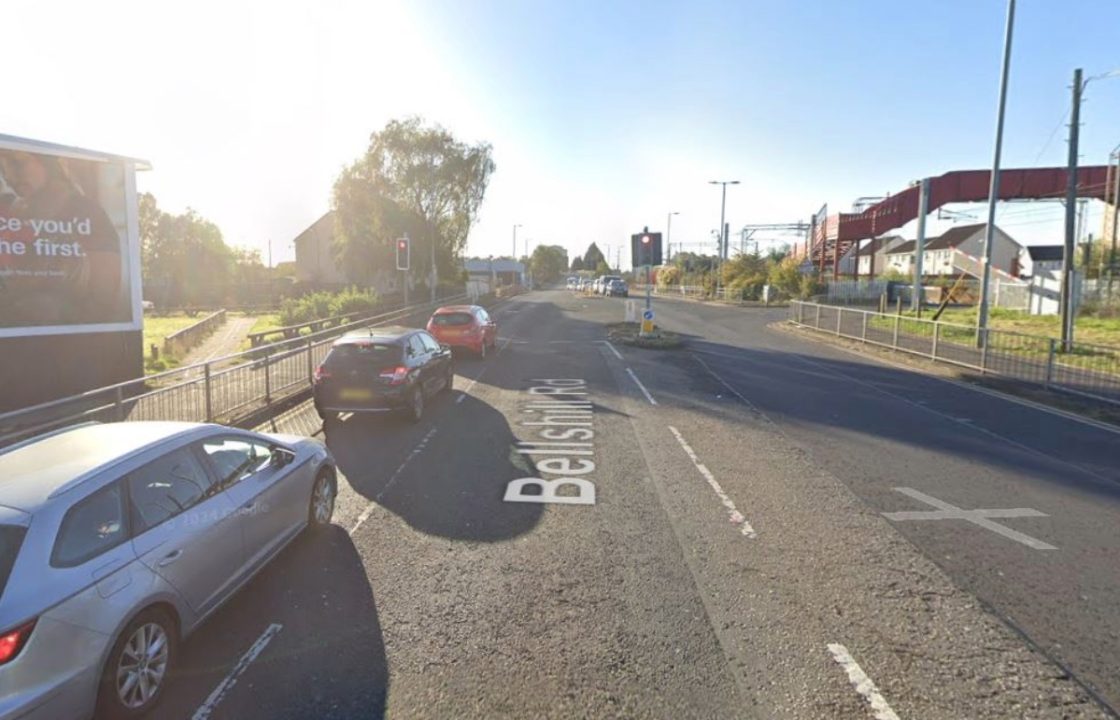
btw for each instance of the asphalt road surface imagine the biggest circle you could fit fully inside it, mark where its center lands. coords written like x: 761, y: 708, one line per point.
x: 755, y: 526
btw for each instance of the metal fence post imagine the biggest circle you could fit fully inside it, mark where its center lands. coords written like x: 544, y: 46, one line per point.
x: 310, y: 363
x: 206, y: 389
x: 839, y: 317
x: 984, y: 350
x: 817, y: 322
x: 863, y: 331
x: 936, y: 338
x: 897, y: 320
x: 1050, y: 362
x: 119, y: 403
x: 268, y: 379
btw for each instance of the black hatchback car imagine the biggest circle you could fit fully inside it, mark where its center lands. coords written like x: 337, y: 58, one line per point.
x: 381, y: 370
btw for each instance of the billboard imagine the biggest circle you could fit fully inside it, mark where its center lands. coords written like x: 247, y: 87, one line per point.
x: 69, y: 252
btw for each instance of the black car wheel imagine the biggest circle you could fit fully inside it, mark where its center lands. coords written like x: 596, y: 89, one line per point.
x: 415, y: 408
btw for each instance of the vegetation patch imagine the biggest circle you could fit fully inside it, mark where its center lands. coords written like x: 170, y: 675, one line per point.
x: 628, y: 333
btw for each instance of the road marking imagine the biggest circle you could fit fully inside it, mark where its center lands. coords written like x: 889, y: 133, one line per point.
x: 392, y: 479
x: 230, y: 680
x: 641, y: 386
x: 612, y: 348
x: 562, y: 417
x: 465, y: 391
x: 736, y: 516
x: 863, y: 684
x: 981, y: 517
x: 723, y: 382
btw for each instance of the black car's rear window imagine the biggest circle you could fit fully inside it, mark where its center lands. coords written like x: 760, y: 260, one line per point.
x: 459, y: 318
x: 11, y: 537
x: 352, y: 354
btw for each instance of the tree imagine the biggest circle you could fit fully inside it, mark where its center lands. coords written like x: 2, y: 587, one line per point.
x: 417, y: 179
x: 577, y: 264
x: 745, y: 275
x: 593, y: 257
x: 785, y: 276
x: 547, y: 263
x: 602, y: 268
x: 184, y: 260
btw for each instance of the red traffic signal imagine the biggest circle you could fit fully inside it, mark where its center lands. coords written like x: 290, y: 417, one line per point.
x: 645, y: 239
x: 402, y: 253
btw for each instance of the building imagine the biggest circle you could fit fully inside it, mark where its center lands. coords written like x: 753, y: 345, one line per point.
x: 496, y: 271
x: 873, y: 255
x: 1044, y: 259
x: 959, y: 250
x: 315, y: 254
x: 900, y: 258
x: 315, y: 263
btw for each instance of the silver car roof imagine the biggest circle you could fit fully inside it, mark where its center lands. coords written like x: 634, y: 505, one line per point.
x: 32, y: 472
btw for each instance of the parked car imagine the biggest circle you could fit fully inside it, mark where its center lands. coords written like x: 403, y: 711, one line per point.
x: 118, y: 540
x: 605, y: 283
x: 573, y: 283
x: 618, y: 288
x: 380, y: 370
x: 465, y: 326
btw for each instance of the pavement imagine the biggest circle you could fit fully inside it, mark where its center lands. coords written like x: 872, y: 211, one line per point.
x: 753, y: 526
x: 226, y: 340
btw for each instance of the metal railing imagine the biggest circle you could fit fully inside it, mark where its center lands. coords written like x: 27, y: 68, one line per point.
x: 226, y: 390
x: 1091, y: 371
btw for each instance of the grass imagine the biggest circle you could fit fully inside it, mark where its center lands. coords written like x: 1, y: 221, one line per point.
x: 1092, y: 330
x: 271, y: 321
x: 627, y: 333
x: 156, y: 328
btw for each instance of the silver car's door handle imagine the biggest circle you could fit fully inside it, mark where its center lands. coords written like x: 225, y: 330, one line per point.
x: 170, y: 558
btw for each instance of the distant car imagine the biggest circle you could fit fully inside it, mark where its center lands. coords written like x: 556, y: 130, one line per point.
x: 605, y: 283
x: 118, y: 540
x: 465, y: 326
x: 573, y: 283
x: 380, y: 370
x: 618, y: 288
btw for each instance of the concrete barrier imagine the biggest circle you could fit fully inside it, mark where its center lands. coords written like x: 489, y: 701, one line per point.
x: 179, y: 343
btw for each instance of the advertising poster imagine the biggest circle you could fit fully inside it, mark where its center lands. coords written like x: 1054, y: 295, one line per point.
x: 65, y: 257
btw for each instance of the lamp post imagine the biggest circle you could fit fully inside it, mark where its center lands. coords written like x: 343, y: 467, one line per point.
x: 669, y: 235
x: 722, y: 220
x: 514, y: 253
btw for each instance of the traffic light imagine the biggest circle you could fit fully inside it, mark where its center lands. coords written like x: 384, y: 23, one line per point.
x: 645, y: 248
x: 402, y: 253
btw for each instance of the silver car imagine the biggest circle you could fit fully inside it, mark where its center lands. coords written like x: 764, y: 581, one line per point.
x: 118, y: 540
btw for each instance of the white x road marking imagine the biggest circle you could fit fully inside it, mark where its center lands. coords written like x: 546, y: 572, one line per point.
x: 981, y: 517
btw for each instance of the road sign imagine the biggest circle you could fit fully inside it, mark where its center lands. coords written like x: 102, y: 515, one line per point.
x: 647, y: 315
x: 647, y: 322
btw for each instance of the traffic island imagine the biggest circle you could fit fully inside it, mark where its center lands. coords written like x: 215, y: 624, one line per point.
x: 629, y: 333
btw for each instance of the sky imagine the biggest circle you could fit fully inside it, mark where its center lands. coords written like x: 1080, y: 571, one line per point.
x: 603, y: 117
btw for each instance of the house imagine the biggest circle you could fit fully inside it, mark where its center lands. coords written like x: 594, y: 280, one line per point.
x: 900, y: 258
x: 959, y: 250
x: 942, y: 255
x: 873, y: 255
x: 315, y: 263
x: 315, y: 254
x: 1044, y: 259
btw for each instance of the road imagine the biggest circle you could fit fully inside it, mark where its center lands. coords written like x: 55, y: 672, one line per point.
x: 723, y: 551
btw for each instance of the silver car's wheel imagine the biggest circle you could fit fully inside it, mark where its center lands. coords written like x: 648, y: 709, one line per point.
x: 138, y: 668
x: 322, y: 501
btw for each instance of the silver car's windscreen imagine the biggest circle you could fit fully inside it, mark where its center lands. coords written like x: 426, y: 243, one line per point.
x: 11, y: 537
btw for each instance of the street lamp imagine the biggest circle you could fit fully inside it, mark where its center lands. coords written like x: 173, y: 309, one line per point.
x: 514, y: 255
x: 722, y: 214
x: 669, y: 234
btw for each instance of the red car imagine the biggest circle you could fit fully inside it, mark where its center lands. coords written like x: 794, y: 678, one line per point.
x: 464, y: 326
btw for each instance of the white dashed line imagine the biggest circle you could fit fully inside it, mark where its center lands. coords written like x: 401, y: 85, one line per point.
x: 736, y: 517
x: 641, y: 386
x: 230, y: 680
x: 723, y: 382
x: 393, y: 479
x: 880, y: 710
x: 612, y: 348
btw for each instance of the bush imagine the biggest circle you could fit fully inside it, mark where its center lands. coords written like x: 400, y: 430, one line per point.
x: 810, y: 286
x: 353, y: 300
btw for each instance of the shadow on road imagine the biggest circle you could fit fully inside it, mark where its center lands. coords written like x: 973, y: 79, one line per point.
x: 330, y: 639
x: 453, y: 487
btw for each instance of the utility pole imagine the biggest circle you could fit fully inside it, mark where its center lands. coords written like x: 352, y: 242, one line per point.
x: 993, y: 188
x: 669, y: 235
x: 514, y: 255
x: 920, y: 245
x: 1115, y: 217
x: 1071, y: 216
